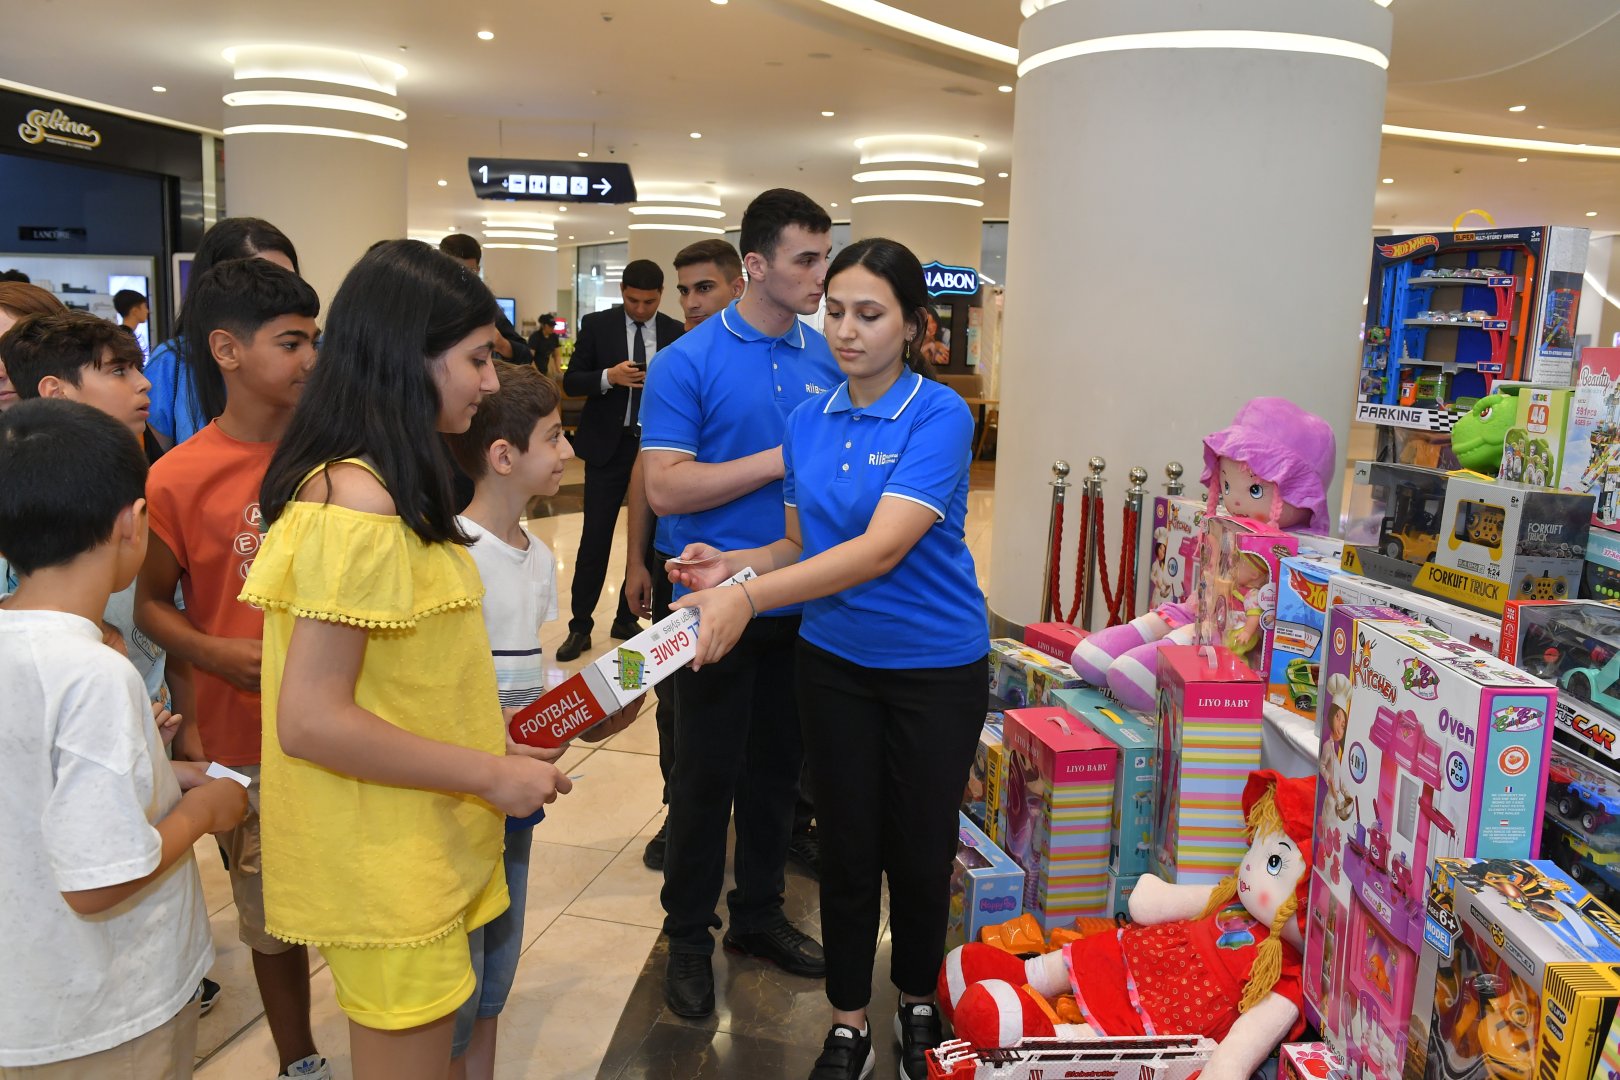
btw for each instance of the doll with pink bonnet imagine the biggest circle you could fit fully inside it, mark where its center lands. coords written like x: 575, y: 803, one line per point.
x: 1274, y: 463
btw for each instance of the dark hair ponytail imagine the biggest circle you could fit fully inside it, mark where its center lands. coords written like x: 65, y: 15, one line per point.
x: 372, y: 394
x: 894, y: 263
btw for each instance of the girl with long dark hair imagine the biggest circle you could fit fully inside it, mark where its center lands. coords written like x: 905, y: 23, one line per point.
x: 892, y: 647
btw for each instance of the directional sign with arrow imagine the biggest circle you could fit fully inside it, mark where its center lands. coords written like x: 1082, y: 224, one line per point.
x: 518, y: 180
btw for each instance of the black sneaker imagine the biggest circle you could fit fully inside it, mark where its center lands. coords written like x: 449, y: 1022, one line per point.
x: 805, y: 850
x: 917, y: 1030
x: 846, y: 1055
x: 653, y: 856
x: 784, y: 945
x: 208, y: 995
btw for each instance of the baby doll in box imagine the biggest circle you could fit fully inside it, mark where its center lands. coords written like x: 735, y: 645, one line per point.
x: 1273, y: 463
x: 1221, y: 961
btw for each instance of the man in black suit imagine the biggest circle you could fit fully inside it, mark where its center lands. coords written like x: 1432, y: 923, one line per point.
x: 608, y: 369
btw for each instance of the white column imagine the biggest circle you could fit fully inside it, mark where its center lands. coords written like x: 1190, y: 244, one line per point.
x: 1192, y: 197
x: 526, y: 275
x: 315, y: 144
x: 1598, y: 317
x: 923, y: 191
x: 667, y: 219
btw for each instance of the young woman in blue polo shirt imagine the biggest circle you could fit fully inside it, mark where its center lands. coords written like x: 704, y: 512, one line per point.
x: 892, y: 648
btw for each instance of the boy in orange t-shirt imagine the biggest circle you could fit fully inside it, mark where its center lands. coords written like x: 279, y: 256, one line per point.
x: 257, y: 321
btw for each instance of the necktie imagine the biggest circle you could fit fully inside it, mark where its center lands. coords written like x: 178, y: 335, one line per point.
x: 639, y: 355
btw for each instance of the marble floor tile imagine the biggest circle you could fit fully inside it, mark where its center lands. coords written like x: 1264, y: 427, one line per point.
x: 670, y: 1051
x: 252, y: 1054
x: 625, y: 891
x: 640, y: 737
x: 238, y: 1004
x: 611, y: 803
x: 558, y: 875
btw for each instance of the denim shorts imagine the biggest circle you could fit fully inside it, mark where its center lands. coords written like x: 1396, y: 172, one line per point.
x: 495, y: 946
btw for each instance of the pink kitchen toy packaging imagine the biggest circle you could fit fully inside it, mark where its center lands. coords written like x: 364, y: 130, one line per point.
x: 1309, y: 1061
x: 1239, y: 566
x: 1430, y: 748
x: 1209, y: 742
x: 1059, y: 803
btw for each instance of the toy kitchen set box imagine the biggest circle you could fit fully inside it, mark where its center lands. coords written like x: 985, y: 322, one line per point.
x: 1467, y: 538
x: 1430, y: 748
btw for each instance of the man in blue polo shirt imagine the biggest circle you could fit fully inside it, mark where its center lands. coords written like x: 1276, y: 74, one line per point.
x: 716, y: 407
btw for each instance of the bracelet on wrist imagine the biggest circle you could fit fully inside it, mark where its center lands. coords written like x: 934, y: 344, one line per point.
x: 753, y: 612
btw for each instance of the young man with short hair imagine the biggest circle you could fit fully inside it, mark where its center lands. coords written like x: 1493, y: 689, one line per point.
x: 717, y: 407
x: 467, y: 251
x: 132, y: 309
x: 609, y: 369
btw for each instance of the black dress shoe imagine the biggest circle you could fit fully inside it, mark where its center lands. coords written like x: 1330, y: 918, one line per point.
x: 653, y: 857
x: 784, y: 945
x: 574, y: 644
x: 804, y: 850
x: 623, y: 631
x: 689, y: 985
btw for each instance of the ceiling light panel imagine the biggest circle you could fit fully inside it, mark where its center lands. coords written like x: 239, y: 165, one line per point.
x: 1264, y: 40
x: 518, y: 234
x: 678, y: 211
x: 929, y: 176
x: 305, y: 129
x: 918, y: 198
x: 1467, y: 139
x: 520, y: 247
x: 927, y: 149
x: 315, y: 64
x: 657, y: 226
x: 299, y: 99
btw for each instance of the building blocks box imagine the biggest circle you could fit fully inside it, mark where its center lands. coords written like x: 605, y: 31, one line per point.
x: 1209, y: 722
x: 1021, y: 676
x: 1480, y: 630
x: 1592, y: 440
x: 1533, y: 450
x: 1429, y: 748
x: 1237, y: 586
x: 1524, y: 967
x: 1060, y: 797
x: 987, y: 887
x: 1172, y: 549
x: 1131, y: 827
x: 1296, y: 647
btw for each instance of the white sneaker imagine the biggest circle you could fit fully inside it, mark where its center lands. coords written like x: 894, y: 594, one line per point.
x: 313, y: 1067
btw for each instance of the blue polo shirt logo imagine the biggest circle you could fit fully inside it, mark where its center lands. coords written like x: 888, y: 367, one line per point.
x: 881, y: 458
x: 812, y: 388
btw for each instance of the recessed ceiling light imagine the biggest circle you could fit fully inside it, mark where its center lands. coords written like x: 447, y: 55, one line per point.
x: 828, y: 112
x: 1541, y: 127
x: 833, y: 205
x: 1002, y: 175
x: 570, y: 236
x: 1523, y: 160
x: 562, y: 209
x: 610, y: 232
x: 584, y: 153
x: 160, y: 89
x: 486, y: 35
x: 719, y: 3
x: 1389, y: 179
x: 1004, y: 88
x: 696, y: 134
x: 1591, y: 213
x: 1517, y: 108
x: 444, y: 183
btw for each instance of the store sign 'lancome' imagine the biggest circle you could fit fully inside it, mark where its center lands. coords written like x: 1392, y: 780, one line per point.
x: 57, y: 127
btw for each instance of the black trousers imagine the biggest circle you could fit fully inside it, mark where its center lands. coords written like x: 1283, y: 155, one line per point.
x: 737, y: 748
x: 890, y: 752
x: 663, y: 591
x: 605, y: 485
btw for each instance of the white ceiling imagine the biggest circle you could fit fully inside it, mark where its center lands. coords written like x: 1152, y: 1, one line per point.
x: 753, y: 76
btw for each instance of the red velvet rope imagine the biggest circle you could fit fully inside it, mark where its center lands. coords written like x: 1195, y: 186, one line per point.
x: 1082, y: 553
x: 1057, y: 564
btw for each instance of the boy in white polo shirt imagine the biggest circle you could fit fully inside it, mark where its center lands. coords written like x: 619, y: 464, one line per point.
x: 101, y: 907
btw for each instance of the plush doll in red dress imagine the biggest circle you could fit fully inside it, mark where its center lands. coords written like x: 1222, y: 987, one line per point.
x: 1221, y: 961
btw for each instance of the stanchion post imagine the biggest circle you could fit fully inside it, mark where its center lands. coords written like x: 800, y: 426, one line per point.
x: 1060, y: 490
x: 1134, y: 497
x: 1093, y: 505
x: 1173, y: 471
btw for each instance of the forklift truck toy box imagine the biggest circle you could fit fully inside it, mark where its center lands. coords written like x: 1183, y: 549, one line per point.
x: 1429, y: 748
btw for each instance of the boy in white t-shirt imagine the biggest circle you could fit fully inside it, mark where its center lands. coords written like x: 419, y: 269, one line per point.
x: 101, y: 908
x: 514, y: 452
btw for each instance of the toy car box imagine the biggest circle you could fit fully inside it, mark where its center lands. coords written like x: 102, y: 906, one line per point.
x: 1525, y: 970
x: 976, y: 797
x: 614, y: 680
x: 1296, y: 646
x: 1020, y: 676
x: 1533, y: 449
x: 1475, y: 627
x: 1592, y: 439
x: 1173, y: 545
x: 1237, y: 586
x: 1469, y: 539
x: 987, y: 887
x: 1130, y: 842
x: 1429, y: 748
x: 1600, y: 579
x: 1581, y: 826
x: 1209, y: 741
x: 1056, y: 639
x: 1060, y: 795
x: 1308, y: 1061
x: 1576, y: 646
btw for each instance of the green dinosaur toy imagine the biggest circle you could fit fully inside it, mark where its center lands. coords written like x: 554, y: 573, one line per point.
x: 1477, y: 437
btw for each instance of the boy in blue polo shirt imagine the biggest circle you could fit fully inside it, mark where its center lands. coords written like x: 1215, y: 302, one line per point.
x: 712, y: 420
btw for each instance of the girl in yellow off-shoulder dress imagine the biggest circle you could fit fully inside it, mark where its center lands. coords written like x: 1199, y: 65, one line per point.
x: 385, y: 764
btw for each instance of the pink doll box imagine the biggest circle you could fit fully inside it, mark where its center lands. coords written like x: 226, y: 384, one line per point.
x: 1209, y: 741
x: 1237, y: 586
x: 1430, y: 748
x: 1058, y: 808
x: 1309, y: 1061
x: 1172, y: 549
